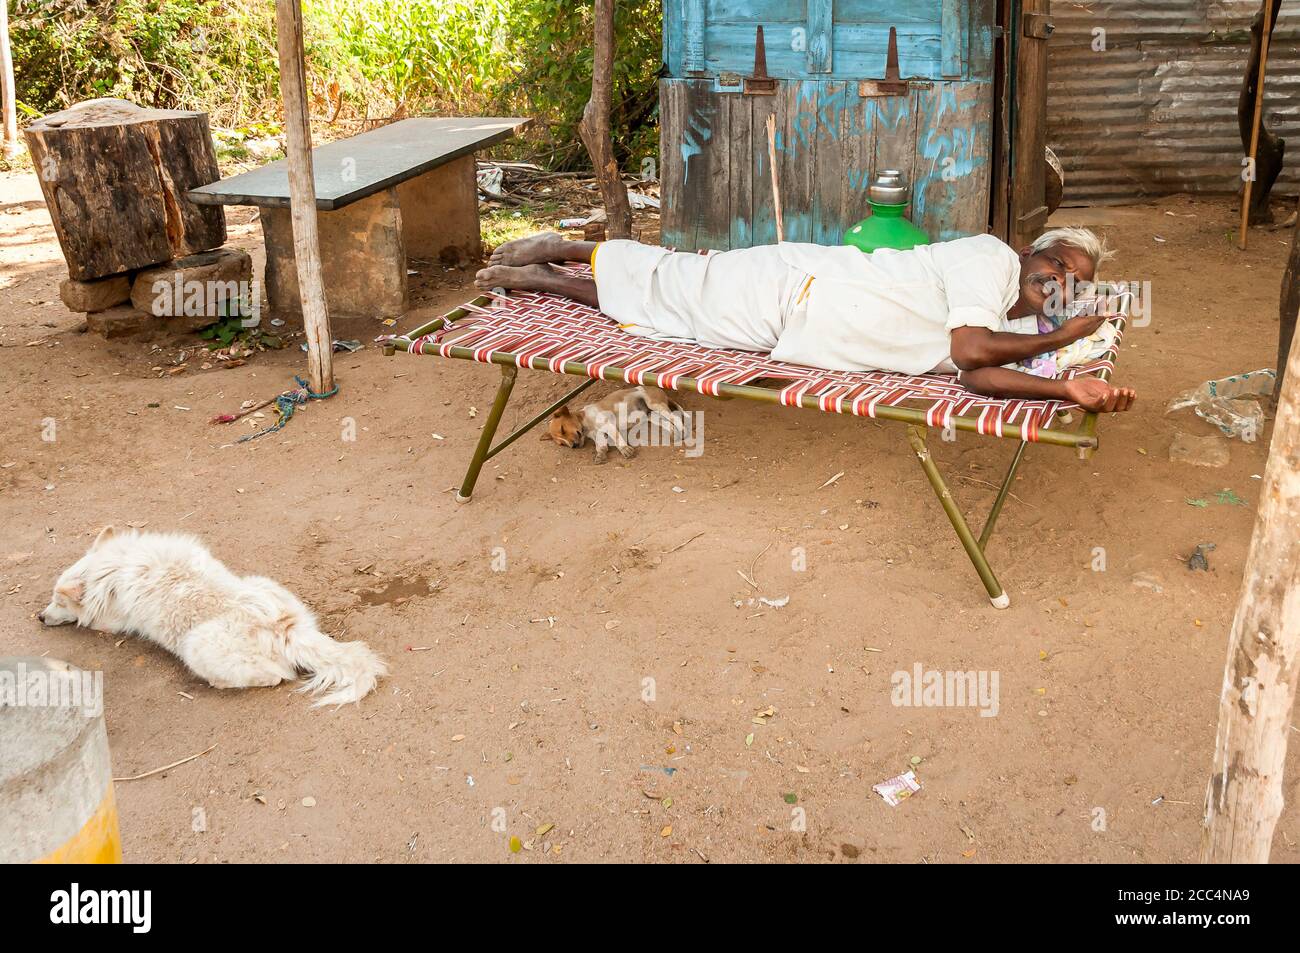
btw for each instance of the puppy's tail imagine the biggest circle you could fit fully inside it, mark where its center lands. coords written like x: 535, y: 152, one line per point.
x: 344, y: 671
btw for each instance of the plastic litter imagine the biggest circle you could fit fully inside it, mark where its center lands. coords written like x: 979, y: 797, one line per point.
x: 1230, y: 403
x: 491, y: 182
x: 894, y: 790
x: 641, y: 200
x: 351, y: 346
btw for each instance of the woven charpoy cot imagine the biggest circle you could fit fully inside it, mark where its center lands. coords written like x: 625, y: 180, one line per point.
x: 546, y: 332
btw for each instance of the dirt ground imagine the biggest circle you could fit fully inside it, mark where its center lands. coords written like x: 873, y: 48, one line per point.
x: 598, y: 698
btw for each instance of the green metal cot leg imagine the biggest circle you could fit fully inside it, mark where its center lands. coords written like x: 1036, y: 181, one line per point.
x: 999, y: 598
x: 992, y: 520
x: 508, y: 374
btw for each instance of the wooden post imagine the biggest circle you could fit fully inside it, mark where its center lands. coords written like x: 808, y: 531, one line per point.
x: 1028, y: 216
x: 1288, y: 306
x: 8, y: 98
x: 302, y: 195
x: 1244, y: 797
x: 594, y: 127
x: 1258, y: 59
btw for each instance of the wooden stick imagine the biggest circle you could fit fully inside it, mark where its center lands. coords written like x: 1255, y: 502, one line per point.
x: 776, y: 185
x: 1264, y: 38
x: 231, y: 418
x: 302, y: 196
x: 1243, y: 799
x: 165, y: 767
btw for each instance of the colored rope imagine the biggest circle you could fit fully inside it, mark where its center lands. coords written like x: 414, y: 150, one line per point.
x: 287, y: 403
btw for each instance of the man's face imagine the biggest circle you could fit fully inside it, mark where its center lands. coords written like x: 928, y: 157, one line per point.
x: 1048, y: 278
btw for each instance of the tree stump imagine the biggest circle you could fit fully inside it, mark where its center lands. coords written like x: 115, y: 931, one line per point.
x: 115, y: 176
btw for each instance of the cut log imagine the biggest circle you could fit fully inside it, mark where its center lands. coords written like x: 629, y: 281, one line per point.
x: 115, y: 176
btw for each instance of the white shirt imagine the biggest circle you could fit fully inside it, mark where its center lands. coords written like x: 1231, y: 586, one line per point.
x: 894, y: 310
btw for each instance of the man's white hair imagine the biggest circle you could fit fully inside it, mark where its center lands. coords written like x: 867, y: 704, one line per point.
x: 1087, y: 241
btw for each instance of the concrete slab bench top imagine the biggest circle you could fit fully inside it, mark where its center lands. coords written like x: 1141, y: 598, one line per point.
x: 351, y: 169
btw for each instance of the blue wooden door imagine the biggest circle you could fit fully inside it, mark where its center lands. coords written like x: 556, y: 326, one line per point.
x: 836, y: 123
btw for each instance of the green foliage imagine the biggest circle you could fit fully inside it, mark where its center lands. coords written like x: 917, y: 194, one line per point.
x: 552, y: 41
x: 503, y: 224
x: 189, y: 54
x: 402, y: 54
x: 366, y: 59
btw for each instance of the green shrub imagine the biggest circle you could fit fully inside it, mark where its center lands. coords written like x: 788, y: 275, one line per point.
x: 366, y: 59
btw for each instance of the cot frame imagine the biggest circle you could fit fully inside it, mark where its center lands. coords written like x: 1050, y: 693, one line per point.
x: 1084, y: 439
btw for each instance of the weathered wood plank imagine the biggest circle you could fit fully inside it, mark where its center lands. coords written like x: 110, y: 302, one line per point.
x: 741, y: 146
x: 834, y: 125
x: 818, y: 38
x: 858, y: 149
x: 1029, y: 164
x: 860, y: 50
x: 894, y: 119
x: 886, y: 12
x: 952, y: 38
x: 954, y: 142
x: 693, y: 45
x: 672, y: 122
x: 801, y: 128
x: 762, y: 208
x: 713, y: 227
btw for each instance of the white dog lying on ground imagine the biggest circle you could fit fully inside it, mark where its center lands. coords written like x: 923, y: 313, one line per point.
x: 233, y: 631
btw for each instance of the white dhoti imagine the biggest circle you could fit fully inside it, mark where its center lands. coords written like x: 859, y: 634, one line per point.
x: 735, y: 299
x: 821, y: 306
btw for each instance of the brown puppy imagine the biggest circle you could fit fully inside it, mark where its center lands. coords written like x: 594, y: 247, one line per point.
x: 606, y: 421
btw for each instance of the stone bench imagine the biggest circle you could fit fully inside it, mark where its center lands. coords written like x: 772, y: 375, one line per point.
x: 405, y: 189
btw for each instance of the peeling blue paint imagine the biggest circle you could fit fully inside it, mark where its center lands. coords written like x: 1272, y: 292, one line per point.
x: 939, y: 132
x: 695, y: 135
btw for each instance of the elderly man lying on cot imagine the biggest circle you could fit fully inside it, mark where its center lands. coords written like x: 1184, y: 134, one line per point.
x: 971, y: 306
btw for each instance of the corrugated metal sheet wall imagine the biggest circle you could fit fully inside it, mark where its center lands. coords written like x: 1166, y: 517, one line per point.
x: 1156, y: 111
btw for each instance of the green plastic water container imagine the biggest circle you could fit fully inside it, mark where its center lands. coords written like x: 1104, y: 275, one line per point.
x: 886, y: 227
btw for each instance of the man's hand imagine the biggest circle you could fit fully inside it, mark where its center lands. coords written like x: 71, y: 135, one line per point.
x: 1081, y: 326
x: 1092, y: 393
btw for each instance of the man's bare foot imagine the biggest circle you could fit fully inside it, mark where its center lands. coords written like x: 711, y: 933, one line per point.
x: 1093, y: 393
x: 544, y: 246
x: 539, y: 278
x: 524, y: 278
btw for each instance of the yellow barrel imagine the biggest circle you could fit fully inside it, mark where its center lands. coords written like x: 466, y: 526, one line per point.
x: 56, y: 779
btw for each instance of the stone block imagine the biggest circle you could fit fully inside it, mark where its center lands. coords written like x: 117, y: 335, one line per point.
x: 197, y: 290
x: 363, y: 258
x: 99, y: 294
x: 120, y: 321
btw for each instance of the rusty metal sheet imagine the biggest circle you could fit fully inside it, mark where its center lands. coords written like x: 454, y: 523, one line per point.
x: 1142, y: 95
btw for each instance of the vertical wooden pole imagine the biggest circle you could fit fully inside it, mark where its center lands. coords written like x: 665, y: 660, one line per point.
x: 1258, y: 118
x: 594, y: 127
x: 1288, y: 306
x: 8, y: 98
x: 1244, y: 797
x: 302, y: 195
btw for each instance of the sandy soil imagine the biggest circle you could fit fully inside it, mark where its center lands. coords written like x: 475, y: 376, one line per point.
x: 518, y: 699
